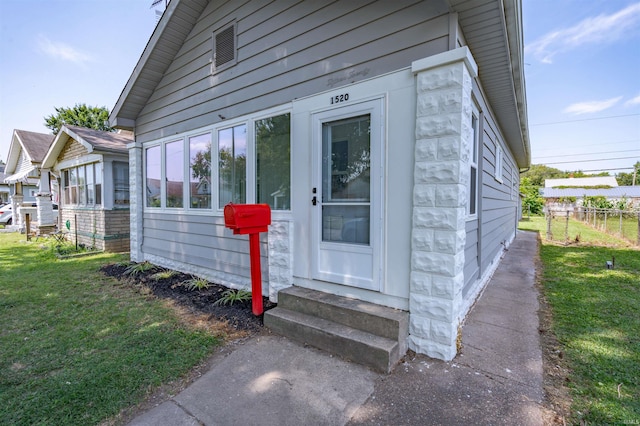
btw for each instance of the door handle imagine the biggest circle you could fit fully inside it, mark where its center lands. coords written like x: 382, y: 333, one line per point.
x: 314, y: 200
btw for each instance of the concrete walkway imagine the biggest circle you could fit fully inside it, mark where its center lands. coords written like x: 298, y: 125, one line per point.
x: 496, y: 379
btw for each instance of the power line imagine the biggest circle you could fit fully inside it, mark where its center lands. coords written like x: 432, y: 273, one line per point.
x: 594, y: 144
x: 583, y: 119
x: 606, y: 170
x: 588, y: 161
x: 590, y: 153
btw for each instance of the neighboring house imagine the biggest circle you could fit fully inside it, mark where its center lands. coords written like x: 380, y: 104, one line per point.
x: 91, y: 168
x: 28, y: 182
x: 387, y: 137
x: 561, y: 199
x: 582, y: 182
x: 5, y: 189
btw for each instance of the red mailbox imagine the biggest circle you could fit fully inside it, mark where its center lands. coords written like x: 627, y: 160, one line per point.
x: 247, y: 218
x: 250, y: 219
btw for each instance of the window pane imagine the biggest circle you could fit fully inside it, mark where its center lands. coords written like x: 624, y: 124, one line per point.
x: 66, y: 188
x: 200, y: 171
x: 98, y: 176
x: 346, y: 156
x: 473, y: 190
x: 120, y: 183
x: 90, y: 185
x: 82, y: 196
x: 232, y: 160
x: 273, y: 162
x: 153, y: 162
x: 73, y: 183
x: 174, y: 173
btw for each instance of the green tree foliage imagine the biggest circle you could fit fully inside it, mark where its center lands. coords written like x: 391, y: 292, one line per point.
x: 80, y: 115
x: 532, y: 201
x: 626, y: 179
x: 598, y: 201
x: 539, y: 172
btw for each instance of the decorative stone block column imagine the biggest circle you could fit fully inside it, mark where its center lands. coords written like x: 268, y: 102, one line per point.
x: 441, y: 178
x: 16, y: 202
x: 46, y: 220
x: 136, y: 200
x: 280, y: 257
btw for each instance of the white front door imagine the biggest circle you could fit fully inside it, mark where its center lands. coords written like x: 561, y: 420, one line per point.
x: 346, y: 218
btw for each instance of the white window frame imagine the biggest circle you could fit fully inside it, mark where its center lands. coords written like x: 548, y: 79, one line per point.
x: 473, y: 164
x: 499, y: 163
x: 249, y: 120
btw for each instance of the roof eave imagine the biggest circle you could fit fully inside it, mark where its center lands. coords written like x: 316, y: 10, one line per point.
x: 151, y: 66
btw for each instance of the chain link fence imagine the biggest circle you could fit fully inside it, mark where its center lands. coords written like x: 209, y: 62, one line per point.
x: 624, y: 224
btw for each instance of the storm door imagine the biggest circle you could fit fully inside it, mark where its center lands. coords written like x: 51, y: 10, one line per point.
x: 346, y: 197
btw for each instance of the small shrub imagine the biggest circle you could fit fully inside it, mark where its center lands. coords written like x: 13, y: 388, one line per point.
x: 163, y: 275
x: 197, y: 284
x: 138, y: 268
x: 229, y: 297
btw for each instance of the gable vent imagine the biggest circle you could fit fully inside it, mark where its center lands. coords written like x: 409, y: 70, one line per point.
x: 225, y: 46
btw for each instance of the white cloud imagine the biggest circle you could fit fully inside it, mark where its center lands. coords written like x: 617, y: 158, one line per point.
x: 601, y: 29
x: 591, y: 106
x: 633, y: 101
x: 62, y: 51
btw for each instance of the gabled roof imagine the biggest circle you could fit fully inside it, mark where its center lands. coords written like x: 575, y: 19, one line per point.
x: 33, y: 145
x: 172, y: 30
x: 492, y: 30
x: 93, y: 140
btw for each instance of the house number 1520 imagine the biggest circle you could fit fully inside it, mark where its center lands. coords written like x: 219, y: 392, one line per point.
x: 339, y: 98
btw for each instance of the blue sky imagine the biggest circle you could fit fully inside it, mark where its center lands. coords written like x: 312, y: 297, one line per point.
x: 582, y: 65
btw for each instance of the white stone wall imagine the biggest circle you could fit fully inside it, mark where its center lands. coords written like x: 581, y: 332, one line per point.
x: 441, y: 176
x: 280, y: 257
x: 45, y: 210
x: 136, y: 201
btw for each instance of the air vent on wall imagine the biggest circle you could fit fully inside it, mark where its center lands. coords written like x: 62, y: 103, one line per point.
x: 225, y: 46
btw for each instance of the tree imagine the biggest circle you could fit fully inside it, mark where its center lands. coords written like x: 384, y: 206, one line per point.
x: 531, y: 201
x: 80, y: 115
x: 537, y: 174
x: 626, y: 179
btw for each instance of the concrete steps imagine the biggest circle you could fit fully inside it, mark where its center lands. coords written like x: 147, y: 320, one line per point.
x: 369, y: 334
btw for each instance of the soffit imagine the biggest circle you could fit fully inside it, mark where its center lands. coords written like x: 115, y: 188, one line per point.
x: 493, y: 32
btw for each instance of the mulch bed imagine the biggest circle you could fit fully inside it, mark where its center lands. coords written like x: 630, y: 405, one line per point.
x: 201, y: 302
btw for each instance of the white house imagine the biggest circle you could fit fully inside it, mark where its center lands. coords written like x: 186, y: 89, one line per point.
x: 387, y: 137
x: 29, y: 184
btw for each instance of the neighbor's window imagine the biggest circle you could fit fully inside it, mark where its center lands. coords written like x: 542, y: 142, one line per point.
x: 472, y: 201
x: 174, y: 173
x: 273, y: 161
x: 153, y: 170
x: 98, y: 180
x: 120, y: 183
x: 200, y: 171
x: 82, y: 196
x: 91, y: 189
x: 232, y: 165
x: 82, y: 185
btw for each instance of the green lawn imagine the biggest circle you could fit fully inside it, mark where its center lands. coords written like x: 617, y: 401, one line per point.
x: 596, y: 318
x: 75, y: 346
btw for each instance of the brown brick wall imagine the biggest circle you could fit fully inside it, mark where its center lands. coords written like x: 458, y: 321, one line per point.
x: 106, y: 230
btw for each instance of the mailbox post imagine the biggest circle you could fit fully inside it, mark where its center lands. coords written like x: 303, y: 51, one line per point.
x: 250, y: 219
